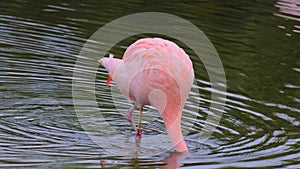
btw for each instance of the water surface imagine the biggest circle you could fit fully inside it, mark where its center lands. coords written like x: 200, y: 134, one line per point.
x: 258, y: 43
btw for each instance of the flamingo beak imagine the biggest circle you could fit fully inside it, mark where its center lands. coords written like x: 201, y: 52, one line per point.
x: 108, y: 80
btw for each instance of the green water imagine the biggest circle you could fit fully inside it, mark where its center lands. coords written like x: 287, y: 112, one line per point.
x: 258, y: 43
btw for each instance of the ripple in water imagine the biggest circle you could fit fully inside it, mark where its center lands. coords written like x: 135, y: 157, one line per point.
x: 289, y: 10
x: 39, y: 127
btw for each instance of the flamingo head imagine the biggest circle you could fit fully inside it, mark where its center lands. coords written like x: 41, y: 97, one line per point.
x: 111, y: 65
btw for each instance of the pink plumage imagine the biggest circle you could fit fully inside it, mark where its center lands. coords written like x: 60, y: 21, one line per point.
x: 155, y: 72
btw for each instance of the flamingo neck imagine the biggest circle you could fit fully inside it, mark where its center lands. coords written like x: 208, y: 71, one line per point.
x: 181, y: 146
x: 173, y: 125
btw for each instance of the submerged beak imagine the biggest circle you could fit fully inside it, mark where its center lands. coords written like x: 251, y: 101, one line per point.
x: 108, y: 80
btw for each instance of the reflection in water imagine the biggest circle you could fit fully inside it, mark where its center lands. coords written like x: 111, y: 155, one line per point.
x: 170, y: 162
x: 39, y: 44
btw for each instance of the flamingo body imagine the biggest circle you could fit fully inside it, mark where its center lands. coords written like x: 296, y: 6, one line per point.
x: 155, y: 72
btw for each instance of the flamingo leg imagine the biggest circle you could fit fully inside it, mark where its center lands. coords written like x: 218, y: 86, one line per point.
x: 139, y: 129
x: 130, y: 117
x: 140, y: 117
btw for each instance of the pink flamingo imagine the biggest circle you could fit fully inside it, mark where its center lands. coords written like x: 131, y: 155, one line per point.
x: 154, y: 72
